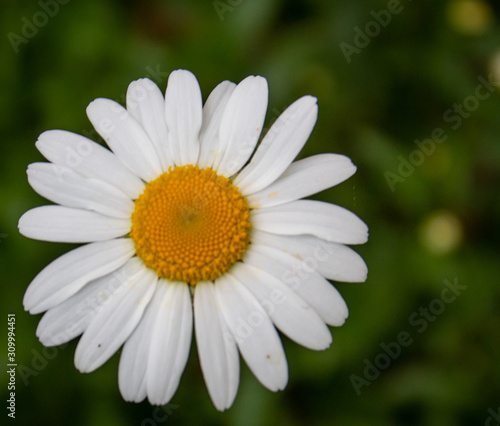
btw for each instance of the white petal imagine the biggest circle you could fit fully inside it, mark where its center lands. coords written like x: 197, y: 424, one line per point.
x: 213, y: 111
x: 217, y: 349
x: 135, y: 352
x: 69, y: 319
x: 257, y: 339
x: 68, y: 188
x: 290, y: 313
x: 304, y: 178
x: 126, y: 137
x: 324, y: 220
x: 67, y: 274
x: 146, y: 103
x: 241, y: 125
x: 88, y: 159
x: 280, y: 146
x: 117, y: 318
x: 68, y: 225
x: 300, y: 277
x: 183, y: 112
x: 332, y: 260
x: 172, y: 331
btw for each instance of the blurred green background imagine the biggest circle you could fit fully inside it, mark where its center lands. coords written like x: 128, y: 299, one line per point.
x: 432, y: 211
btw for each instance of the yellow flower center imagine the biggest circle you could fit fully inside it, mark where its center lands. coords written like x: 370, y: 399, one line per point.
x: 190, y: 225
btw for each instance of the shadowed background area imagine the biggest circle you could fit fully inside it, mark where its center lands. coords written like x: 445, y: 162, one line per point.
x: 409, y: 90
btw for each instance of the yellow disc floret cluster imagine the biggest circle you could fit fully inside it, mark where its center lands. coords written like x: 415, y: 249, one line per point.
x: 190, y: 225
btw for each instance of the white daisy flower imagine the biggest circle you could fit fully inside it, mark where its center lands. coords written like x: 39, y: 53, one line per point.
x: 188, y: 219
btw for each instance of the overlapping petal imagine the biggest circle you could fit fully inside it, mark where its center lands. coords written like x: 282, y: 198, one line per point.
x: 241, y: 125
x: 303, y: 279
x: 280, y: 146
x: 135, y: 353
x: 65, y: 187
x: 183, y: 113
x: 255, y: 335
x: 171, y: 339
x: 213, y: 111
x: 89, y: 159
x: 145, y: 102
x: 217, y: 348
x: 332, y: 260
x: 67, y: 274
x: 290, y: 313
x: 70, y: 318
x: 304, y: 178
x: 126, y: 137
x: 70, y: 225
x: 324, y: 220
x: 117, y: 318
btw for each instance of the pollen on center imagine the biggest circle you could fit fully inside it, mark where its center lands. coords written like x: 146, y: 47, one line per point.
x: 190, y: 225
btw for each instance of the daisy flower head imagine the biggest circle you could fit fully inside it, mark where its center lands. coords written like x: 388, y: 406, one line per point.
x: 190, y: 223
